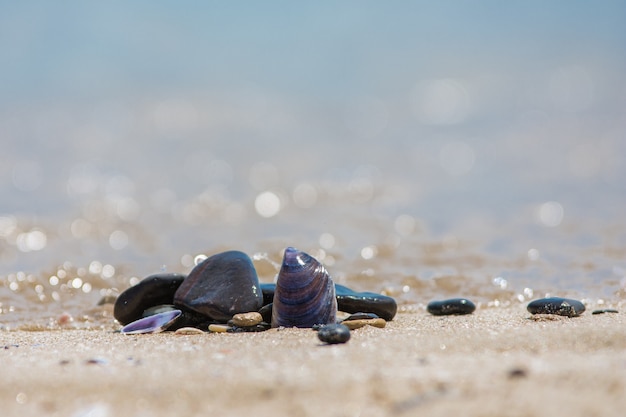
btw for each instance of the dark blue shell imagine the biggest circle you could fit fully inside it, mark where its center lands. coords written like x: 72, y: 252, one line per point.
x: 305, y: 292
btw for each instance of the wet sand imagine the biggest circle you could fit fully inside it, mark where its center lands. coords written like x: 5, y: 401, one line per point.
x: 496, y: 362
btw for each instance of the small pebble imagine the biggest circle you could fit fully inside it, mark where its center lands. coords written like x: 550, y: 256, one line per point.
x: 188, y: 330
x: 65, y: 318
x: 246, y: 319
x: 97, y: 361
x: 218, y: 328
x: 605, y: 310
x: 266, y: 312
x: 334, y: 333
x: 517, y: 373
x: 357, y: 324
x: 453, y: 306
x: 556, y: 305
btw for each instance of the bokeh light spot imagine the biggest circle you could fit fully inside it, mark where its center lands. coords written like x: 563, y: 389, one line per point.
x: 118, y: 240
x: 327, y: 241
x: 551, y: 214
x: 267, y: 204
x: 31, y: 241
x: 305, y: 195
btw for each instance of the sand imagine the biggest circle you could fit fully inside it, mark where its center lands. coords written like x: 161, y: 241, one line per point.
x: 495, y: 362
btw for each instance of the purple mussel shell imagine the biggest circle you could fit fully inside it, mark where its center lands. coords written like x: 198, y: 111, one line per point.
x: 305, y: 292
x: 152, y: 324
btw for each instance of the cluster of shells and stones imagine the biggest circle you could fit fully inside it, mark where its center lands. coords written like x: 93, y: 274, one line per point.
x: 223, y: 294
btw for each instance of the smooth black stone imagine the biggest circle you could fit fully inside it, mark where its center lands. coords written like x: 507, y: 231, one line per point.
x: 452, y: 306
x: 268, y: 290
x: 266, y: 312
x: 556, y: 305
x: 334, y: 333
x: 152, y: 291
x: 361, y: 316
x: 350, y: 301
x: 221, y: 286
x: 604, y: 310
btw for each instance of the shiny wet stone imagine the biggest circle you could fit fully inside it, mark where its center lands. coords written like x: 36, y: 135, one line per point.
x: 221, y: 286
x: 152, y: 291
x: 334, y: 333
x: 556, y: 305
x: 266, y: 312
x: 349, y: 301
x: 453, y: 306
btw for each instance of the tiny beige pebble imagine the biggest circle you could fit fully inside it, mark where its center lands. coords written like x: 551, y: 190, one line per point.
x: 357, y: 324
x: 188, y: 330
x: 246, y: 319
x: 218, y: 328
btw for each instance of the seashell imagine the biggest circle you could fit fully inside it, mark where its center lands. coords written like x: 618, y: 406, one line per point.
x: 188, y: 331
x: 305, y: 292
x: 152, y: 324
x: 220, y: 286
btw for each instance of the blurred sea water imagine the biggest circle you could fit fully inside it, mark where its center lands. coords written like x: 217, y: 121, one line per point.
x: 422, y: 150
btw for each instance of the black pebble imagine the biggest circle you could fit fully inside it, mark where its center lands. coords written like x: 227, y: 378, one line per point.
x: 452, y: 306
x: 556, y: 305
x: 517, y: 373
x: 334, y: 333
x: 350, y: 301
x: 151, y: 291
x: 266, y: 312
x: 605, y: 310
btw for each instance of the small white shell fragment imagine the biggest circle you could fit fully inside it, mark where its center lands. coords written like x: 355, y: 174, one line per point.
x: 188, y: 330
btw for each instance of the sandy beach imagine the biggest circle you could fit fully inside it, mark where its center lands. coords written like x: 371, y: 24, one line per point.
x: 495, y: 362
